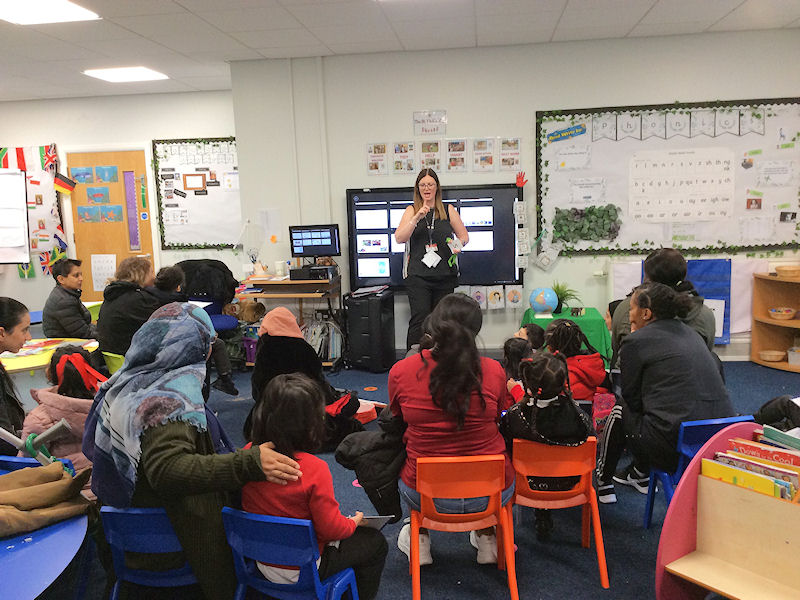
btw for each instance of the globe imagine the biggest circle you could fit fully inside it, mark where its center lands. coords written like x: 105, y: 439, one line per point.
x: 543, y: 300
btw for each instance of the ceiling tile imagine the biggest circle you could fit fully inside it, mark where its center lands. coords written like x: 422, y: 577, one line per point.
x: 197, y: 6
x: 590, y: 32
x: 589, y: 17
x: 653, y: 29
x: 416, y: 10
x: 128, y: 8
x: 689, y: 11
x: 208, y: 83
x: 517, y: 7
x: 85, y: 31
x: 277, y: 38
x: 296, y: 51
x: 251, y: 19
x: 432, y: 34
x: 760, y: 14
x: 364, y: 12
x: 125, y: 48
x: 53, y: 50
x: 344, y: 34
x: 183, y: 33
x: 544, y: 20
x: 387, y: 45
x: 14, y: 35
x: 227, y: 55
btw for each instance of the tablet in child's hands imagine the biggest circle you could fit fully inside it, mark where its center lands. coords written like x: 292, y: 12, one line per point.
x: 375, y: 521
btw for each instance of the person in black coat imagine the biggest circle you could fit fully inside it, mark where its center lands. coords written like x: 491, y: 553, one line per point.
x: 15, y: 330
x: 64, y: 315
x: 668, y: 376
x: 127, y: 305
x: 208, y: 278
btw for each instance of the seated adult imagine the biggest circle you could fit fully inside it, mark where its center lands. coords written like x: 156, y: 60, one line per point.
x: 168, y: 287
x: 126, y: 305
x: 15, y: 330
x: 64, y: 315
x: 668, y: 376
x: 667, y: 266
x: 153, y: 444
x: 451, y: 399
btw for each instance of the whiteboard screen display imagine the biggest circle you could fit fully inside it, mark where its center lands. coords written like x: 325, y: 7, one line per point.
x: 13, y: 217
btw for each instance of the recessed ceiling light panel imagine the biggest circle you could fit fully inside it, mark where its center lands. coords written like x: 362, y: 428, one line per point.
x: 125, y: 74
x: 37, y: 12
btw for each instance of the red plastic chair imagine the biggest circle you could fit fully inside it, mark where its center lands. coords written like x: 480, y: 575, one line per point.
x: 463, y: 477
x: 532, y: 459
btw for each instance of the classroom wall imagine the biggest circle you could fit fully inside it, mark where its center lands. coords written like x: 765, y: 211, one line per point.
x: 302, y: 124
x: 112, y: 123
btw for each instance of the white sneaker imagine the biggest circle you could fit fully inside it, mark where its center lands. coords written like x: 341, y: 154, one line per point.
x: 404, y: 543
x: 487, y: 547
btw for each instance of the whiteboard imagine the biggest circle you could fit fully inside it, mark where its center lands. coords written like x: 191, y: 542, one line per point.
x: 13, y: 217
x: 705, y: 176
x: 198, y: 192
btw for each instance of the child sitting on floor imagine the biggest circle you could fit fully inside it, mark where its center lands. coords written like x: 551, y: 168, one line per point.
x: 533, y: 333
x: 291, y: 414
x: 546, y: 414
x: 514, y: 350
x: 587, y: 371
x: 75, y: 384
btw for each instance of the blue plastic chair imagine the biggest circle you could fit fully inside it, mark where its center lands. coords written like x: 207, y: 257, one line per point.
x: 281, y: 541
x: 691, y: 437
x: 218, y: 320
x: 145, y: 530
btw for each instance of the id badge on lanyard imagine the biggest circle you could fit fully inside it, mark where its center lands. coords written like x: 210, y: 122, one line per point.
x: 431, y: 258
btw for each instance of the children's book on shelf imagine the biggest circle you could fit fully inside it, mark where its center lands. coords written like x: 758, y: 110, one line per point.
x: 743, y: 478
x: 784, y: 438
x: 769, y: 470
x: 765, y: 451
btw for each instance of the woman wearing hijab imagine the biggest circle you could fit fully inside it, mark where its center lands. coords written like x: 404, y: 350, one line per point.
x: 153, y: 444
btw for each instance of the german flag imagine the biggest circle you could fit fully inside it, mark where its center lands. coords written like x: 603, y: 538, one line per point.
x: 63, y: 184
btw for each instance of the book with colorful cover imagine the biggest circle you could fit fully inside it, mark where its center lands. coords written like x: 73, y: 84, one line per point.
x: 781, y: 437
x: 773, y: 470
x: 765, y: 451
x: 741, y: 477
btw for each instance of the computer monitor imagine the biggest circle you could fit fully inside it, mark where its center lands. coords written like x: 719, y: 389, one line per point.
x: 308, y: 241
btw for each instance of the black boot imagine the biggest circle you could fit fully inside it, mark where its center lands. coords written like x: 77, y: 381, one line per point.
x: 543, y: 523
x: 224, y: 383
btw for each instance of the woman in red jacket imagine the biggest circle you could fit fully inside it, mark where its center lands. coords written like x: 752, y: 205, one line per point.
x: 451, y: 399
x: 587, y: 371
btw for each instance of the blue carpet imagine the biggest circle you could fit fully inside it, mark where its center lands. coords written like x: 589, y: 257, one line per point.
x: 556, y: 569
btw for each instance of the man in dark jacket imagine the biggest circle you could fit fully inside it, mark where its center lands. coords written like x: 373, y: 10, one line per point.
x: 64, y: 315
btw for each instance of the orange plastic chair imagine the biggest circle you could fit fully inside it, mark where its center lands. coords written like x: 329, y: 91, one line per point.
x: 463, y: 477
x: 532, y: 459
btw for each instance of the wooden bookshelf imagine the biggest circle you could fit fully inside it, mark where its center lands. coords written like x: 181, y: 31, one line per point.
x: 770, y: 291
x: 747, y: 543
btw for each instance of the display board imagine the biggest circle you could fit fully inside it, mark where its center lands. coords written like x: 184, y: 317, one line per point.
x: 487, y: 212
x: 13, y: 217
x: 198, y: 192
x: 717, y: 176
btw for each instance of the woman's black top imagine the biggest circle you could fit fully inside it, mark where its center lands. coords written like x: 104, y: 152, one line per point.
x: 430, y: 230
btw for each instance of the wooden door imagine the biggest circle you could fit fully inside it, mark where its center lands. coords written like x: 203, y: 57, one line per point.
x: 111, y: 210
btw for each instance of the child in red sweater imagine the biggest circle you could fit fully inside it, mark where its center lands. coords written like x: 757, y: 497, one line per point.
x: 587, y: 371
x: 291, y: 414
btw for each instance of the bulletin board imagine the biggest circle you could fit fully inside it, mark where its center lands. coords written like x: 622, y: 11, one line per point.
x: 198, y: 192
x: 715, y: 176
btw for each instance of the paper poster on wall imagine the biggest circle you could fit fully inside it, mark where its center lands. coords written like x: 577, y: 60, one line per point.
x: 376, y: 159
x: 97, y: 195
x: 483, y: 155
x: 430, y: 122
x: 510, y: 154
x: 718, y: 308
x: 430, y: 155
x: 111, y: 213
x: 82, y: 174
x: 587, y: 190
x: 495, y: 297
x: 89, y: 214
x: 106, y: 174
x: 513, y: 296
x: 573, y: 158
x: 403, y: 160
x: 230, y: 181
x: 478, y: 293
x: 456, y: 159
x: 776, y: 173
x: 103, y: 268
x: 271, y: 220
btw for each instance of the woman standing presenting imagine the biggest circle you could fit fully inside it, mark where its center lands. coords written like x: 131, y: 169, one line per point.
x: 433, y: 235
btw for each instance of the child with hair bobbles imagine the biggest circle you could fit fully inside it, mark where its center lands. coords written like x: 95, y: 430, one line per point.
x: 587, y: 371
x: 291, y: 414
x: 546, y: 413
x: 75, y: 383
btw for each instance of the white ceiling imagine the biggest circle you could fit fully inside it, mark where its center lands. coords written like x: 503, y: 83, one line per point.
x: 193, y: 40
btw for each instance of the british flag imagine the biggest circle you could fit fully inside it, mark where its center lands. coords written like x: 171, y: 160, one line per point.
x: 48, y: 157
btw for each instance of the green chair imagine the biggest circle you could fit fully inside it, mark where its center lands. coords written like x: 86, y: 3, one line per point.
x: 94, y: 309
x: 113, y: 361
